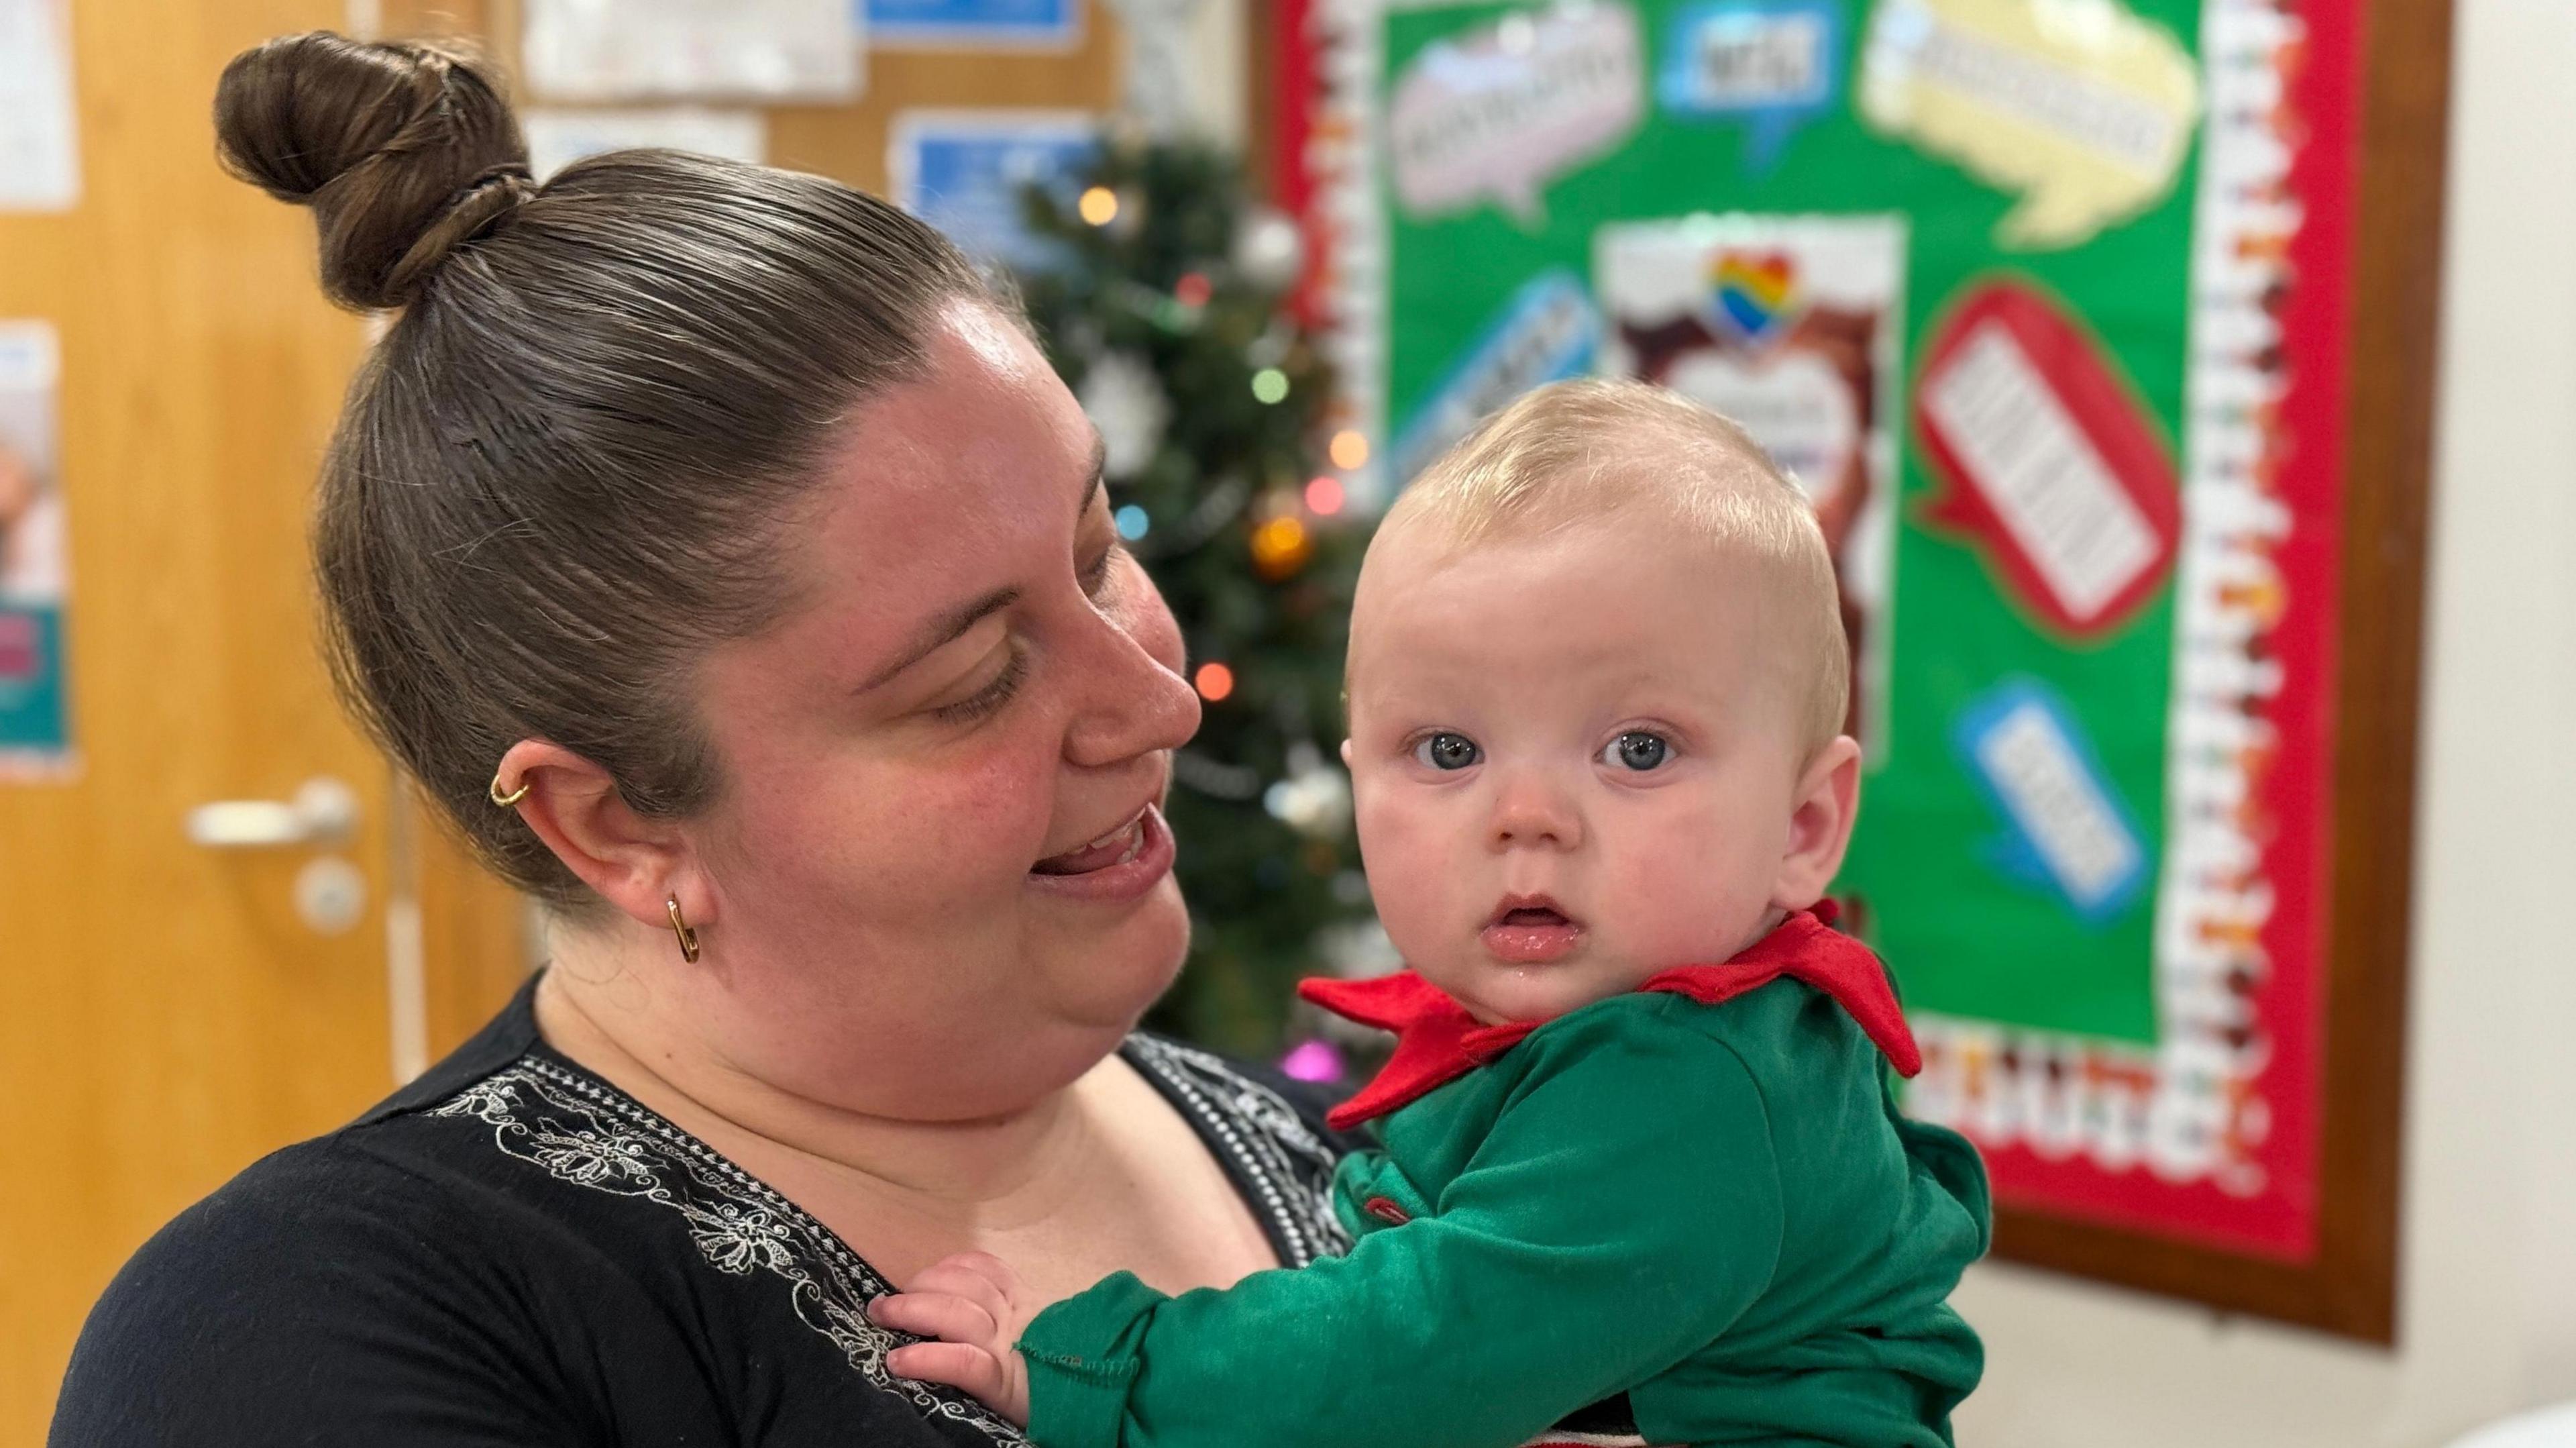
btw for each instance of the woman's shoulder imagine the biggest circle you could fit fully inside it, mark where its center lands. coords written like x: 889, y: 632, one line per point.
x: 508, y: 1251
x: 1267, y: 1130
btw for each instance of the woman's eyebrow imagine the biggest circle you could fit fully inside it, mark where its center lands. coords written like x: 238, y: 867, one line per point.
x: 935, y: 634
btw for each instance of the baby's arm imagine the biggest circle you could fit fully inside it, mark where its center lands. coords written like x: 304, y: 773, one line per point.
x: 1622, y: 1213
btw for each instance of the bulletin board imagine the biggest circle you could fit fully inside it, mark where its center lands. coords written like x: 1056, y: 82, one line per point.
x: 2106, y: 360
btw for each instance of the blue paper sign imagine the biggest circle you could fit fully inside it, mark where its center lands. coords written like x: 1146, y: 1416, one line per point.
x: 964, y: 172
x: 1548, y: 331
x: 1773, y: 64
x: 967, y: 24
x: 2067, y: 829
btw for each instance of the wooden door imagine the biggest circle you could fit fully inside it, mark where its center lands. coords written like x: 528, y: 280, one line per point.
x: 167, y: 1014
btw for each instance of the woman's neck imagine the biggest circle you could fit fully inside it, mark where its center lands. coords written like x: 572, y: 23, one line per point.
x: 989, y: 1173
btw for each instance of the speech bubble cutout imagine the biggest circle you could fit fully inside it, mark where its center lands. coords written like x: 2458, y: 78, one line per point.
x: 2081, y: 107
x: 2066, y: 826
x: 1771, y: 63
x: 1547, y: 331
x: 1500, y: 110
x: 2048, y: 459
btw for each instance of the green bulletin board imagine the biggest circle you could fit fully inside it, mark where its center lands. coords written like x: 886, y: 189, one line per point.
x: 2014, y: 288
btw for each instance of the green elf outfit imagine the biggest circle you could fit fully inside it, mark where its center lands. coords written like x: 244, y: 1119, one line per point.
x: 1698, y: 1195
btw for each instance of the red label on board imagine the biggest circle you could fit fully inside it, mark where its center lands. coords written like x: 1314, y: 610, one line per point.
x: 2046, y: 456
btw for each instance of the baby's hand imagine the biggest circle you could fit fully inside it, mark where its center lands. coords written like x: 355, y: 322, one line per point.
x: 976, y: 1306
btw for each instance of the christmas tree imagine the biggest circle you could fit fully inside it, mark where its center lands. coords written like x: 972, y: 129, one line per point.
x: 1162, y: 307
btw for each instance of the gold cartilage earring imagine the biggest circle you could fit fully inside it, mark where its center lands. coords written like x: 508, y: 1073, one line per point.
x: 680, y: 928
x: 513, y: 797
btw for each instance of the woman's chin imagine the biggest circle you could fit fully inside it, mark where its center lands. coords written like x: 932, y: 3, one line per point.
x: 1112, y: 979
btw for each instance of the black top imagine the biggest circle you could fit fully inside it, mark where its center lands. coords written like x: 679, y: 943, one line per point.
x: 511, y: 1251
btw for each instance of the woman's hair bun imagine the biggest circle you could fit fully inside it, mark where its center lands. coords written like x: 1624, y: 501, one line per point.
x: 403, y: 150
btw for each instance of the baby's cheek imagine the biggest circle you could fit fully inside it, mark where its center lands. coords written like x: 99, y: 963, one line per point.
x: 1412, y: 870
x: 1690, y: 883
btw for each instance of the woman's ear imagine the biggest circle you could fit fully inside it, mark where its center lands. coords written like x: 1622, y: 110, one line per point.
x: 1820, y: 825
x: 634, y: 862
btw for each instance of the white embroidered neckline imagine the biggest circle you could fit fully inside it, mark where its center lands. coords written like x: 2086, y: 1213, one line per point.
x: 587, y: 1133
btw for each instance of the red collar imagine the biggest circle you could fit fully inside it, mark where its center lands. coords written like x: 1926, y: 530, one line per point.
x: 1436, y: 1041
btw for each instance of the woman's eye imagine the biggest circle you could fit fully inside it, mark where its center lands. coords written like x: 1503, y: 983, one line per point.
x: 1638, y: 750
x: 1096, y: 577
x: 1447, y: 751
x: 991, y: 697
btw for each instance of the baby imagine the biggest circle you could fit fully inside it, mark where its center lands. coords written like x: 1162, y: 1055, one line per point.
x: 1637, y: 1139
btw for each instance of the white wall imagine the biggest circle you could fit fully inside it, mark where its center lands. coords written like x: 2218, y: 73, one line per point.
x: 2488, y: 1310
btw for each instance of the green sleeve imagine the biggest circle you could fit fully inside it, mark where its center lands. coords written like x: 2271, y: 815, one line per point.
x: 1623, y: 1210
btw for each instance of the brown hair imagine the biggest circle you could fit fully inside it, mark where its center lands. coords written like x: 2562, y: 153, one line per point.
x: 562, y: 474
x: 1579, y: 450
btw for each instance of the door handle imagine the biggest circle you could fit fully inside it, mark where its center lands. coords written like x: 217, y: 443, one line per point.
x: 324, y: 811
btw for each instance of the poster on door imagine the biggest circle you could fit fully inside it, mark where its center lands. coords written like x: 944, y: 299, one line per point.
x: 35, y: 561
x: 39, y: 135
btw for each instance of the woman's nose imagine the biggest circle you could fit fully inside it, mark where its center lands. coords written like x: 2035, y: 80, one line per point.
x: 1531, y: 812
x: 1133, y: 701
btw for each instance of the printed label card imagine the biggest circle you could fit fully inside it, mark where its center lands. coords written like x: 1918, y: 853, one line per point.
x: 1494, y: 114
x: 2053, y: 465
x: 557, y: 138
x: 1771, y: 64
x: 39, y: 127
x: 1789, y: 325
x: 2078, y: 106
x: 596, y: 50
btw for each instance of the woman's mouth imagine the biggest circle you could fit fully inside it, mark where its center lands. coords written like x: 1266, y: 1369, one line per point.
x: 1531, y: 931
x: 1122, y: 864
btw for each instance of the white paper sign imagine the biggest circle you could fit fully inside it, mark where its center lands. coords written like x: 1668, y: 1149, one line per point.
x: 557, y: 138
x: 39, y: 135
x: 605, y: 50
x: 2043, y: 476
x: 1498, y: 112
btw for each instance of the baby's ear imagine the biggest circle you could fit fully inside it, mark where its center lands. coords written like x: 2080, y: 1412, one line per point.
x: 1346, y: 754
x: 1820, y: 825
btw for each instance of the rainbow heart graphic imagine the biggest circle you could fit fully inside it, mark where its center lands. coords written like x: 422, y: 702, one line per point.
x: 1755, y: 290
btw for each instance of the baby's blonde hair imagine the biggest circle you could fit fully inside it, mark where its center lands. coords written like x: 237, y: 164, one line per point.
x: 1573, y: 452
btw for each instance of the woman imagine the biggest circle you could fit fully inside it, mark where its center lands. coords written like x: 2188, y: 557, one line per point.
x: 726, y: 562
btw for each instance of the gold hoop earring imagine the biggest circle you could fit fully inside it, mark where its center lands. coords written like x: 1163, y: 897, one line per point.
x: 680, y: 928
x: 506, y: 800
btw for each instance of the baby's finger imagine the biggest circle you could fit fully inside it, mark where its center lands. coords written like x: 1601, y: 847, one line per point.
x: 935, y: 1314
x: 969, y: 1369
x: 969, y: 1278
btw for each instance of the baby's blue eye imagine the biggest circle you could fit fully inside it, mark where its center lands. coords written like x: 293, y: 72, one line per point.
x: 1638, y: 750
x: 1447, y: 751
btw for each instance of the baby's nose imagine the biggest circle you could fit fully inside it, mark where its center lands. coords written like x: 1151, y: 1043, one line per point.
x: 1527, y: 813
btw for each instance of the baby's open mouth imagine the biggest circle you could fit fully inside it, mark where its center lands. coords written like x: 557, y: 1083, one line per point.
x: 1531, y: 930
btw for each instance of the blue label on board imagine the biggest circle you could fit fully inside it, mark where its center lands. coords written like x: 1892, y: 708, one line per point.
x: 1773, y: 64
x: 1547, y: 332
x: 2066, y: 828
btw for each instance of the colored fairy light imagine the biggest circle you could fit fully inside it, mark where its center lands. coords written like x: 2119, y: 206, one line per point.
x: 1132, y: 522
x: 1280, y: 547
x: 1214, y: 681
x: 1349, y: 449
x: 1324, y: 497
x: 1270, y: 385
x: 1193, y: 290
x: 1099, y: 205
